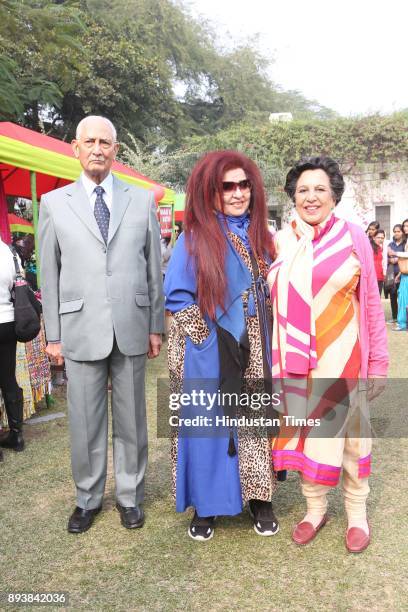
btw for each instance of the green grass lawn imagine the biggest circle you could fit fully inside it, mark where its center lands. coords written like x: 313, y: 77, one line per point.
x: 160, y: 568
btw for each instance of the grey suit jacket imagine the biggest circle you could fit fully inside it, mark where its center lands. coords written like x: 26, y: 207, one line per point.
x: 90, y: 290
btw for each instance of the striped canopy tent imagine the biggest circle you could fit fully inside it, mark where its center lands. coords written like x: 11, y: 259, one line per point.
x: 32, y: 164
x: 18, y: 224
x: 179, y: 204
x: 23, y: 151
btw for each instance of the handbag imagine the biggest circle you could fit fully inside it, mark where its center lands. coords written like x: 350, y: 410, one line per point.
x: 389, y: 280
x: 27, y: 309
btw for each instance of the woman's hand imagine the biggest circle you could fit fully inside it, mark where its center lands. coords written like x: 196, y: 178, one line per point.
x: 375, y: 386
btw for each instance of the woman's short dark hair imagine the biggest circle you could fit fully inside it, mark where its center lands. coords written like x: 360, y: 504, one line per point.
x: 373, y: 224
x: 330, y: 167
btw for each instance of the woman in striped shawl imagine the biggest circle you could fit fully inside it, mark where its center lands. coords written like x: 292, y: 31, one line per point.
x: 328, y: 348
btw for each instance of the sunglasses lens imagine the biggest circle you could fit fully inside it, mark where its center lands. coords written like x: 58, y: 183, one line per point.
x: 228, y: 186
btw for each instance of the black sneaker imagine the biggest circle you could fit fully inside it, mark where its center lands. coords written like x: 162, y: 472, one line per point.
x: 201, y: 527
x: 265, y: 522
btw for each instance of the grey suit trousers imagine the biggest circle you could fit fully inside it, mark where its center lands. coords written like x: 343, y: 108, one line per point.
x: 88, y: 418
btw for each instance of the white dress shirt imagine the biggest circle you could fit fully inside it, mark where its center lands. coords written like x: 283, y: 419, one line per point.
x: 107, y: 185
x: 7, y: 276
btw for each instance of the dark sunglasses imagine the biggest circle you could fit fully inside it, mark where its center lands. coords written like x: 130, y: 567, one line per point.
x: 228, y: 186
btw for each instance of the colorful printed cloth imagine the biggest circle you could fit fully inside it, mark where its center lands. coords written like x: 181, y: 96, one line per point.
x: 33, y: 375
x: 39, y: 366
x: 23, y: 381
x: 315, y: 348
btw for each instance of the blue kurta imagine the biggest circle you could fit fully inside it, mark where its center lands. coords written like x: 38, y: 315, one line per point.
x: 207, y: 476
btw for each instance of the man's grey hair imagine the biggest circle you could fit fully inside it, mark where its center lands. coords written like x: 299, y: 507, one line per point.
x: 85, y: 119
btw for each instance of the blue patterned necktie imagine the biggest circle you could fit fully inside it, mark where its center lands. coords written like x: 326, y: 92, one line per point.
x: 101, y: 212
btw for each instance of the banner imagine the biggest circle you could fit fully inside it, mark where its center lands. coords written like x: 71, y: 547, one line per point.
x: 165, y: 220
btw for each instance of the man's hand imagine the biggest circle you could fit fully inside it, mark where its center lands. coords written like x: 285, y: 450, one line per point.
x: 155, y: 342
x: 54, y: 353
x: 375, y: 386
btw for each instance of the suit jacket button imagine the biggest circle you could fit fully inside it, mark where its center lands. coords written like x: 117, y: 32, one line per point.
x: 108, y: 273
x: 103, y: 250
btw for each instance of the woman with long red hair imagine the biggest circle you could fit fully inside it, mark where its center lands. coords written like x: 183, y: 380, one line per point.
x: 219, y: 346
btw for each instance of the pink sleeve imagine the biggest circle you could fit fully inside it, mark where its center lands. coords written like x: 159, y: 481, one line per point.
x: 377, y: 335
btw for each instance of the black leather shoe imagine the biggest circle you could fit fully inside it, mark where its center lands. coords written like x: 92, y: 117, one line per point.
x: 81, y: 520
x: 131, y: 518
x: 13, y: 440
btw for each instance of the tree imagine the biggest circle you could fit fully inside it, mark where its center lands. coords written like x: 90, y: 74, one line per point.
x: 11, y: 100
x: 147, y: 64
x: 119, y: 80
x: 38, y: 39
x: 380, y: 140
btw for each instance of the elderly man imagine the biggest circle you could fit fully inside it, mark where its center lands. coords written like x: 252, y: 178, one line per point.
x: 103, y: 311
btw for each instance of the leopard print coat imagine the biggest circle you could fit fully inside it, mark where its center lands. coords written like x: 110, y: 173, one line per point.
x: 257, y: 476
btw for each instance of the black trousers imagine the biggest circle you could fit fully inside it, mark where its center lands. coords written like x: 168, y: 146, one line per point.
x: 8, y: 345
x: 394, y: 302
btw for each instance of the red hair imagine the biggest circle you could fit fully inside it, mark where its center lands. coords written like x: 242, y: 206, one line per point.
x: 205, y: 240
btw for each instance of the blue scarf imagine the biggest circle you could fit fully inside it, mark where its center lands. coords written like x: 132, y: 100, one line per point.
x: 238, y: 225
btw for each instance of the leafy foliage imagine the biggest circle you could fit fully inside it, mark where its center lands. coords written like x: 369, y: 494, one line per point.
x: 160, y: 76
x: 11, y: 101
x: 147, y: 64
x: 39, y: 40
x: 381, y: 140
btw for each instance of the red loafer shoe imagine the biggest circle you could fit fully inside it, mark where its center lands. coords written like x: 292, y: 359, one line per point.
x: 304, y: 532
x: 357, y: 539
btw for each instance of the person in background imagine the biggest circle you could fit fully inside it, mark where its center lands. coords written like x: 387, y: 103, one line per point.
x: 402, y: 323
x: 25, y: 249
x: 178, y: 228
x: 166, y: 250
x: 12, y: 393
x: 397, y: 245
x: 377, y: 243
x: 372, y: 228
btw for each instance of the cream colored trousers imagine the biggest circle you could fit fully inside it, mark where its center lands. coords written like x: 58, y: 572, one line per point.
x: 355, y: 489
